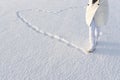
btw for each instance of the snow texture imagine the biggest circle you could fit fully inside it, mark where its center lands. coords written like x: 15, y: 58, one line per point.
x: 44, y: 40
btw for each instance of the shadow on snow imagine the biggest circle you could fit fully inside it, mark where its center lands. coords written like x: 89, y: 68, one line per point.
x: 108, y: 48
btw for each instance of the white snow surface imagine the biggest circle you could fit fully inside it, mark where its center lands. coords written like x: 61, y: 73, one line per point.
x: 42, y: 40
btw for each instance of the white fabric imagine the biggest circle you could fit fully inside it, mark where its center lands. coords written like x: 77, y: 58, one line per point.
x: 101, y: 15
x: 90, y: 11
x: 98, y: 12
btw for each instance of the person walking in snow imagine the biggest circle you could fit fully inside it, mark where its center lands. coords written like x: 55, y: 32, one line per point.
x: 96, y: 16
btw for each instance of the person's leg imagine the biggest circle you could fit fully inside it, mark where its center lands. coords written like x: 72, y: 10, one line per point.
x: 97, y: 34
x: 92, y: 36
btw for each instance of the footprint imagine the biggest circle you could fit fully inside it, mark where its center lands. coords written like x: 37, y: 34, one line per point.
x: 66, y: 25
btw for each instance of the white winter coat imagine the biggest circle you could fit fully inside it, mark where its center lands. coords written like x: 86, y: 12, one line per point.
x: 98, y: 11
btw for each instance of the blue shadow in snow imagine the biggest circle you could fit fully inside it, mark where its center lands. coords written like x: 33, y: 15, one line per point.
x: 108, y: 48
